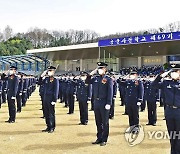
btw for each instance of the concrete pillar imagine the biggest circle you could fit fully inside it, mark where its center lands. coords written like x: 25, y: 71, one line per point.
x: 120, y: 63
x: 164, y: 59
x: 139, y: 62
x: 81, y: 65
x: 117, y: 61
x: 66, y: 63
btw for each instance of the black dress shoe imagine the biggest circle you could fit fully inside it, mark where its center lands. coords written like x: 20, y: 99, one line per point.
x: 154, y: 124
x: 96, y: 142
x: 8, y: 121
x: 45, y: 130
x: 148, y: 124
x: 102, y: 143
x: 18, y: 111
x: 124, y: 114
x: 51, y: 131
x: 111, y: 118
x: 12, y: 121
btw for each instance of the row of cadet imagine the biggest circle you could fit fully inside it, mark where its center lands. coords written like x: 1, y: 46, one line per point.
x: 15, y: 88
x: 100, y: 88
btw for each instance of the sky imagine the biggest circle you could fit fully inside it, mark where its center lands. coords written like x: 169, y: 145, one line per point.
x: 103, y: 16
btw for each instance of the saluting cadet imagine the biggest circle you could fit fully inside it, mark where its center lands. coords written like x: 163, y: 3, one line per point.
x: 19, y: 93
x: 84, y: 92
x: 1, y: 84
x: 152, y: 95
x: 121, y: 90
x: 71, y: 91
x: 64, y: 86
x: 133, y: 98
x: 60, y: 90
x: 51, y: 90
x: 143, y: 104
x: 171, y: 90
x: 4, y: 90
x: 12, y: 89
x: 41, y: 93
x: 103, y: 95
x: 25, y: 87
x: 111, y: 113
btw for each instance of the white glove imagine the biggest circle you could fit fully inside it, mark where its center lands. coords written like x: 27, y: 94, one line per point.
x: 93, y: 72
x: 44, y: 73
x: 107, y: 107
x: 20, y: 94
x: 74, y: 96
x: 13, y: 97
x: 0, y: 92
x: 165, y: 74
x: 138, y: 103
x: 53, y: 103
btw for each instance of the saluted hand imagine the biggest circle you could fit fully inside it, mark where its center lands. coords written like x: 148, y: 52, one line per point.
x: 44, y: 73
x: 165, y: 74
x: 93, y: 72
x: 53, y: 103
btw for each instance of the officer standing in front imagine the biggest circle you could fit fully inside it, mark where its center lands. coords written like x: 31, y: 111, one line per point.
x: 103, y: 95
x: 51, y: 91
x: 12, y: 89
x: 171, y: 90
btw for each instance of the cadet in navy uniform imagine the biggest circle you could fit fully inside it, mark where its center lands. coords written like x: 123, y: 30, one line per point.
x: 71, y: 90
x: 152, y: 95
x: 1, y: 84
x: 84, y: 92
x: 12, y: 89
x: 41, y: 93
x: 4, y: 90
x: 51, y: 91
x: 133, y: 97
x: 103, y: 95
x: 143, y: 104
x: 171, y: 90
x: 111, y: 113
x: 25, y: 87
x: 19, y: 93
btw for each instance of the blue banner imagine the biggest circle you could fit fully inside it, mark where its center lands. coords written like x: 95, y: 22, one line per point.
x: 140, y: 39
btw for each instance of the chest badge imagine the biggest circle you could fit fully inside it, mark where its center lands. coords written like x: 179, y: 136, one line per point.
x: 136, y: 83
x: 104, y: 81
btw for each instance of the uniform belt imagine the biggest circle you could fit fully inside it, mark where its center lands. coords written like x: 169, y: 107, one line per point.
x: 174, y: 107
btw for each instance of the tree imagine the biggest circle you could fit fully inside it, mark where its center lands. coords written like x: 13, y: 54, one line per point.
x: 7, y: 33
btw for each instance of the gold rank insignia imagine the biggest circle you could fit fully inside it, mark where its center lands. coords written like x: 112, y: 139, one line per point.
x: 12, y: 77
x: 51, y: 79
x: 136, y: 83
